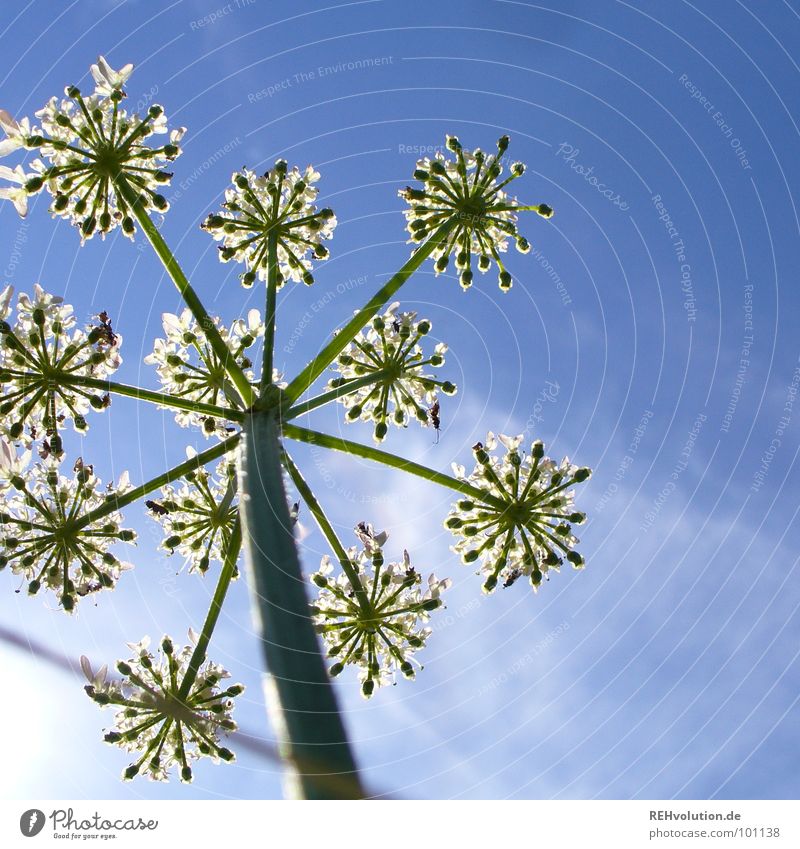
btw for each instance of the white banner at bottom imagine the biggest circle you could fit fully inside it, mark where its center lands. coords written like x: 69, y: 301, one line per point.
x: 400, y: 824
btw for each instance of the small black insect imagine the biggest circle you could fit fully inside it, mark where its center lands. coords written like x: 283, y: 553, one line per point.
x: 433, y: 415
x: 512, y: 578
x: 108, y: 335
x: 86, y: 589
x: 155, y: 507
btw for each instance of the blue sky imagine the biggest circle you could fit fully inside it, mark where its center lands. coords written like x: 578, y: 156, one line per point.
x: 649, y: 336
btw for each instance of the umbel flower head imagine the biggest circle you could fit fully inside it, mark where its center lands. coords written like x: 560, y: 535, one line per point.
x: 198, y: 516
x: 388, y: 351
x: 47, y: 540
x: 189, y: 368
x: 466, y: 191
x: 379, y: 621
x: 88, y: 144
x: 279, y: 204
x: 164, y: 722
x: 522, y: 524
x: 41, y: 356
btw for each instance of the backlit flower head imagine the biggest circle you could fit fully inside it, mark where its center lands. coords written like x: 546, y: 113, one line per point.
x: 189, y: 368
x: 45, y: 536
x: 379, y: 623
x: 466, y: 189
x: 280, y: 203
x: 199, y: 515
x: 388, y: 350
x: 41, y: 355
x: 164, y: 722
x: 88, y: 144
x: 522, y: 524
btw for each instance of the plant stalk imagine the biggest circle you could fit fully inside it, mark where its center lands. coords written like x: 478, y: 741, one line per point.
x: 313, y: 437
x: 300, y: 696
x: 153, y: 397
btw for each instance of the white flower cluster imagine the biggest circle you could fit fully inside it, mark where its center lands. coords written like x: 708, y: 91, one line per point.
x: 522, y: 523
x: 385, y: 365
x: 378, y: 620
x: 47, y: 539
x: 40, y: 355
x: 189, y: 368
x: 199, y: 515
x: 165, y: 722
x: 279, y: 204
x: 89, y: 144
x: 467, y: 193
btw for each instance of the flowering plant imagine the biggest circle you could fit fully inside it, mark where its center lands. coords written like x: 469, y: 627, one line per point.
x: 60, y: 528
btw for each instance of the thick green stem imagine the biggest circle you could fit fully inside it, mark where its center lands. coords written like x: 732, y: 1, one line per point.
x: 228, y: 569
x: 333, y: 394
x: 327, y: 529
x: 149, y: 395
x: 269, y: 318
x: 188, y: 294
x: 299, y: 693
x: 117, y: 502
x: 347, y: 333
x: 313, y: 437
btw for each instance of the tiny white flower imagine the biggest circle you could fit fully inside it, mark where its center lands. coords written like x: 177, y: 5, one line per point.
x: 19, y: 195
x: 5, y: 302
x: 16, y: 133
x: 12, y: 463
x: 107, y: 78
